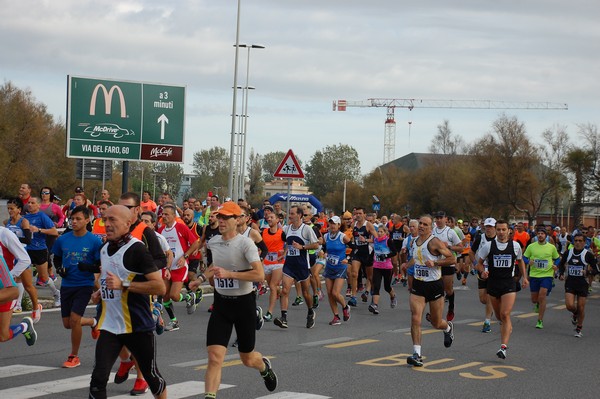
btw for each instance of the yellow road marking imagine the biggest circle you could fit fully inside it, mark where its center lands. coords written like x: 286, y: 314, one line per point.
x: 560, y: 307
x: 479, y: 323
x: 352, y: 343
x: 429, y: 331
x: 527, y: 315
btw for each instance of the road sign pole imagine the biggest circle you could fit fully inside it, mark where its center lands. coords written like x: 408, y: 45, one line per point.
x: 82, y: 171
x: 125, y: 177
x: 288, y: 199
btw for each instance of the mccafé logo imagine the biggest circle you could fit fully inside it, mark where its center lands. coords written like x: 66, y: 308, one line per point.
x: 157, y: 152
x: 108, y: 95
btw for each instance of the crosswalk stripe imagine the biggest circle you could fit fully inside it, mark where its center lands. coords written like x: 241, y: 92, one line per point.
x: 291, y: 395
x: 178, y: 391
x: 22, y: 369
x: 48, y: 387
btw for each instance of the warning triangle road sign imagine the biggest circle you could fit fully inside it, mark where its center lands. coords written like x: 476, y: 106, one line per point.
x: 289, y: 167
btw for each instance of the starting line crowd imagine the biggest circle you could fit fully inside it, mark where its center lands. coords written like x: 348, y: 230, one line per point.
x: 134, y: 259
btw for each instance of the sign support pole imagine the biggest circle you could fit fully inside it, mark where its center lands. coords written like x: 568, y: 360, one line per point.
x: 288, y: 199
x: 125, y: 177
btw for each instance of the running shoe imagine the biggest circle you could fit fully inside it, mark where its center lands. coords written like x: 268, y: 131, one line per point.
x: 298, y: 301
x: 173, y: 325
x: 364, y: 296
x: 36, y: 314
x: 72, y: 362
x: 57, y: 299
x: 486, y: 327
x: 464, y: 281
x: 95, y: 332
x: 373, y: 308
x: 310, y: 319
x: 472, y: 272
x: 578, y: 333
x: 199, y: 295
x: 458, y: 276
x: 269, y: 376
x: 346, y: 313
x: 280, y: 322
x: 536, y: 307
x: 361, y: 287
x: 210, y: 308
x: 40, y: 283
x: 574, y: 319
x: 415, y: 360
x: 352, y: 301
x: 336, y: 321
x: 321, y: 295
x: 268, y: 316
x: 393, y: 302
x: 348, y: 292
x: 160, y: 323
x: 502, y: 352
x: 539, y: 324
x: 139, y: 388
x: 449, y: 335
x: 30, y: 335
x: 395, y: 280
x: 123, y: 372
x: 450, y: 315
x: 259, y: 318
x: 403, y: 281
x: 315, y: 302
x: 19, y: 309
x: 190, y: 303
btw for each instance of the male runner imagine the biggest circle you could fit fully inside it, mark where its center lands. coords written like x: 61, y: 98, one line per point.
x: 363, y: 233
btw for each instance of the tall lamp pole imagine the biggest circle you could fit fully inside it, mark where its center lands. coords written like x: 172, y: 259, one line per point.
x: 230, y: 181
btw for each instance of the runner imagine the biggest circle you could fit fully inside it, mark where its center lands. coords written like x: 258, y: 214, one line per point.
x: 383, y: 247
x: 77, y: 286
x: 8, y: 296
x: 129, y: 275
x: 448, y: 236
x: 407, y: 252
x: 299, y: 239
x: 578, y: 263
x: 540, y: 256
x: 274, y: 239
x: 496, y: 263
x: 235, y: 266
x: 362, y: 256
x: 335, y: 269
x: 430, y: 254
x: 489, y: 227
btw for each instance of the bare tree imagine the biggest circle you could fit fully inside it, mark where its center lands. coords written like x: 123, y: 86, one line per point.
x: 445, y: 142
x: 553, y: 157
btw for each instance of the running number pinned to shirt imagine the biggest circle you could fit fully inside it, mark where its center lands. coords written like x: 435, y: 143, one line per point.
x: 541, y: 263
x: 227, y: 283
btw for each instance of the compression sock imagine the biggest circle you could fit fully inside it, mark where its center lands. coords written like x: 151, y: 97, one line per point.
x: 169, y: 308
x: 18, y: 329
x: 21, y: 291
x: 450, y: 301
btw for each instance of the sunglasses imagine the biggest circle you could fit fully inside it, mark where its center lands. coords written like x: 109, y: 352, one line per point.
x: 45, y: 192
x: 225, y: 217
x: 130, y: 206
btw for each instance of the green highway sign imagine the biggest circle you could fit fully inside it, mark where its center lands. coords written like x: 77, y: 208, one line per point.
x: 109, y: 119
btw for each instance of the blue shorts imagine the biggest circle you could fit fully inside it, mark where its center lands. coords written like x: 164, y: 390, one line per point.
x: 336, y: 273
x: 535, y: 283
x: 298, y: 273
x: 411, y: 271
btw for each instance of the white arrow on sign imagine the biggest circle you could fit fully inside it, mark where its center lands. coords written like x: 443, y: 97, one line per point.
x: 162, y: 120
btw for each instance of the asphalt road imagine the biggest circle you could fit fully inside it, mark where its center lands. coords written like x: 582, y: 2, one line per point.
x: 363, y: 358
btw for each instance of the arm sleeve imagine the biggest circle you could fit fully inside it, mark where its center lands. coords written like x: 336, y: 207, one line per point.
x: 26, y: 239
x: 392, y: 247
x: 563, y: 262
x: 160, y: 259
x: 11, y: 242
x: 263, y: 249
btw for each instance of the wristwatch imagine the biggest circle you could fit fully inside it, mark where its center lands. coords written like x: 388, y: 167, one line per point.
x: 185, y: 256
x: 125, y: 283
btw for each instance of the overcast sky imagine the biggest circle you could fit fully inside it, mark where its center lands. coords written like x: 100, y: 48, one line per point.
x: 318, y: 51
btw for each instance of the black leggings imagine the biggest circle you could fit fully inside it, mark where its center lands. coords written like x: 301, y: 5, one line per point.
x: 387, y: 280
x: 142, y: 346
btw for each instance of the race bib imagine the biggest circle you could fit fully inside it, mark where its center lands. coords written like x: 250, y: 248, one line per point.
x: 333, y: 260
x: 293, y: 251
x: 227, y: 283
x: 396, y: 236
x: 502, y: 260
x: 541, y: 263
x: 421, y: 271
x: 108, y: 294
x: 380, y: 257
x: 576, y: 271
x: 272, y: 256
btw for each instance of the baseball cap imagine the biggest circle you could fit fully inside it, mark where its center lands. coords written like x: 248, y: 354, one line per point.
x: 539, y: 228
x: 335, y: 219
x: 439, y: 214
x: 78, y: 189
x: 490, y: 222
x: 459, y: 221
x: 347, y: 215
x: 229, y: 209
x: 269, y: 207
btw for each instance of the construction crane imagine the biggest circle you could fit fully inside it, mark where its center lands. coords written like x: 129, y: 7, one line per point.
x: 389, y: 138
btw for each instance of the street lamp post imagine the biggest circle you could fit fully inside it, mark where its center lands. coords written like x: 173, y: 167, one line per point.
x: 234, y: 105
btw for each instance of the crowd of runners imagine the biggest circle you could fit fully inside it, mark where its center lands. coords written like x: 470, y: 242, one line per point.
x: 136, y: 257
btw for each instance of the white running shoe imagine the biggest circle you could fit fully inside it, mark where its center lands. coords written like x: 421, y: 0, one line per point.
x: 36, y: 314
x: 57, y: 299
